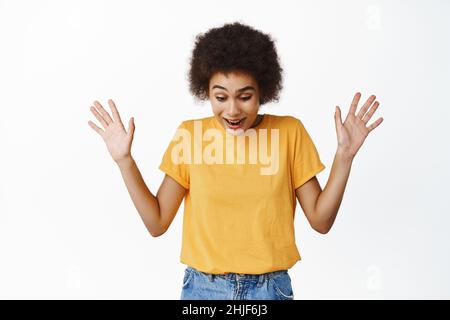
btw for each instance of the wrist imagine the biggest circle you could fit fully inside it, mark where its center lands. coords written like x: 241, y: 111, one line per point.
x: 124, y: 162
x: 344, y: 154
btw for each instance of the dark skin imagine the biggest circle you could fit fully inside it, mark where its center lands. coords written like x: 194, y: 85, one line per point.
x: 321, y: 206
x: 158, y: 211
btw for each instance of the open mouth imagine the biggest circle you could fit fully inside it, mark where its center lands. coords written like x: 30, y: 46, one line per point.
x: 234, y: 123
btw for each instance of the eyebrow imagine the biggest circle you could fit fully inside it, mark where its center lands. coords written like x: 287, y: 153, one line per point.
x: 239, y: 90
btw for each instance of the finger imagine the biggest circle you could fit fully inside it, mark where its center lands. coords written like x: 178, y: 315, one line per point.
x: 372, y: 110
x: 354, y: 104
x: 338, y: 119
x: 96, y: 129
x: 366, y: 106
x: 99, y: 117
x: 131, y: 127
x: 375, y: 124
x: 104, y: 113
x: 337, y: 116
x: 114, y: 111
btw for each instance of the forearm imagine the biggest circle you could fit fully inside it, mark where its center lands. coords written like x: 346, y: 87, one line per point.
x: 144, y: 201
x: 329, y: 200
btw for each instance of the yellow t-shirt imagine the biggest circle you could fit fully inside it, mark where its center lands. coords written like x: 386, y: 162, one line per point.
x: 240, y: 202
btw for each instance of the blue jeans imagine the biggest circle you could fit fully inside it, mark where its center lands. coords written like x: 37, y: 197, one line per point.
x: 198, y: 285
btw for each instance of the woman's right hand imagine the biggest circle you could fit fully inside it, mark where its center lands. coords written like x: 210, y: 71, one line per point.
x: 117, y: 140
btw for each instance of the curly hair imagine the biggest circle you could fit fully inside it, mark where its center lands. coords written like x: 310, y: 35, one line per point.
x: 235, y: 47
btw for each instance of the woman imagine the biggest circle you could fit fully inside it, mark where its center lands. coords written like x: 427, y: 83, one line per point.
x: 238, y: 171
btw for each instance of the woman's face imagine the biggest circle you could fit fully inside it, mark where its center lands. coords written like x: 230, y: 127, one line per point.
x: 235, y: 100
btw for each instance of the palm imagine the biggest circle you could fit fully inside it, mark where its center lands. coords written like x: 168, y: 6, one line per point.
x: 352, y: 133
x: 118, y: 141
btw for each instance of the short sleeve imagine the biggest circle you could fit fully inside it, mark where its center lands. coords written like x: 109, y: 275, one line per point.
x: 176, y: 158
x: 306, y: 160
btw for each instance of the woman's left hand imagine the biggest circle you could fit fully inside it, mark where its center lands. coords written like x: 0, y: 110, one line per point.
x: 352, y: 133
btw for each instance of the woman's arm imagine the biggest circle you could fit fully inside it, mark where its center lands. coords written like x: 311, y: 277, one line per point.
x: 321, y: 207
x: 157, y: 212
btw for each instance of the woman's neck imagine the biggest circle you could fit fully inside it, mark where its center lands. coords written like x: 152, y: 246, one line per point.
x: 257, y: 120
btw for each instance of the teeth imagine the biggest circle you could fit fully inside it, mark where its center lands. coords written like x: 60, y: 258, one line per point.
x: 234, y: 122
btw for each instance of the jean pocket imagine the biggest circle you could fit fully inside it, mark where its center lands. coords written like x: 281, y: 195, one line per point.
x: 188, y: 274
x: 282, y: 285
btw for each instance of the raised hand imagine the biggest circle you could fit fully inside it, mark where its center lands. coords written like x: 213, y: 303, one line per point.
x: 352, y: 133
x: 118, y: 141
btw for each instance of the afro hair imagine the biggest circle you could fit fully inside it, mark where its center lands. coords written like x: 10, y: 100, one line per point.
x: 235, y: 47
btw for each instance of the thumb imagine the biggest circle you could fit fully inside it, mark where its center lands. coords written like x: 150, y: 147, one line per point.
x: 338, y: 119
x: 131, y: 127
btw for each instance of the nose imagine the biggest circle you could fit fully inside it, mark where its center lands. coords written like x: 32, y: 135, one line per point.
x: 233, y: 109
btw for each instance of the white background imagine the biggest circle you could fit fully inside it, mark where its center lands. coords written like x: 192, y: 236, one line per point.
x: 68, y: 228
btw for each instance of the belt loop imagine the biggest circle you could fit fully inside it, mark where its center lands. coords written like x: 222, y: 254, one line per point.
x: 261, y: 279
x: 211, y: 277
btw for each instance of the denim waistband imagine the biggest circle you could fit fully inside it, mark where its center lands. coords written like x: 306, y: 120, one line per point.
x: 240, y: 276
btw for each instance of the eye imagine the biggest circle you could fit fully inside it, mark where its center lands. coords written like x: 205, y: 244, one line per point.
x: 221, y: 99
